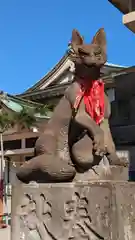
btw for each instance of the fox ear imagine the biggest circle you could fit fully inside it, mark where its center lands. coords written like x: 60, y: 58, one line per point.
x: 77, y: 39
x: 100, y: 39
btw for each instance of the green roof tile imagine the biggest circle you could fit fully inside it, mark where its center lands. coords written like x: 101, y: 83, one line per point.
x: 16, y: 104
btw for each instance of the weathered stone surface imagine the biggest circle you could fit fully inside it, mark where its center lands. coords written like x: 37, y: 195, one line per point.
x: 97, y: 173
x: 91, y: 210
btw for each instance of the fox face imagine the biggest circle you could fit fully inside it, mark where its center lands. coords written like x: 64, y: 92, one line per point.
x: 93, y: 54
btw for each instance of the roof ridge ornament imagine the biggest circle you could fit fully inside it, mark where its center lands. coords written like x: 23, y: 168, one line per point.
x: 3, y: 95
x: 72, y: 66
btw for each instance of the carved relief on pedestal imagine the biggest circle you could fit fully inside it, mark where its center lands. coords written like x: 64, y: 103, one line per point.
x: 34, y: 214
x: 63, y: 212
x: 78, y: 220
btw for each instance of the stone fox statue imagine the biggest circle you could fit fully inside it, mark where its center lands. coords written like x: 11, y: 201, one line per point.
x: 78, y: 134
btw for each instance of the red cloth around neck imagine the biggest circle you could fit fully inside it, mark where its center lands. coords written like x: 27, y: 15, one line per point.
x: 92, y: 93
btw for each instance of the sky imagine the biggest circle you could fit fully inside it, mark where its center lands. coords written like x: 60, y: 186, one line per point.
x: 34, y: 35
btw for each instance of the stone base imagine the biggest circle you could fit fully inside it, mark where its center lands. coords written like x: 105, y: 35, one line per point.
x: 74, y: 211
x: 98, y: 173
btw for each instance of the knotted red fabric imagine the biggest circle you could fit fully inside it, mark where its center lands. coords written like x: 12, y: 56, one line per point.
x: 92, y: 93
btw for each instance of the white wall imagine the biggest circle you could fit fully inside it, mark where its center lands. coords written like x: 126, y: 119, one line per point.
x: 111, y: 94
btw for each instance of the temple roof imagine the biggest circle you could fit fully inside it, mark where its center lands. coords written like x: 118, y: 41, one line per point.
x: 58, y: 75
x: 122, y: 5
x: 52, y: 74
x: 49, y: 92
x: 17, y: 104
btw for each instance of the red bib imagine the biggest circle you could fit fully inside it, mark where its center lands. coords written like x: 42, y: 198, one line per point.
x: 93, y: 97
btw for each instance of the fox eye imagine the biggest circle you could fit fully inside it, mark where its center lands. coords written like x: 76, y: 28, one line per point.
x: 97, y: 52
x: 82, y: 52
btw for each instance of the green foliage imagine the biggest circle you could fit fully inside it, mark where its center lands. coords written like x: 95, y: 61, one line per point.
x: 24, y: 119
x: 44, y: 109
x: 51, y: 107
x: 6, y: 121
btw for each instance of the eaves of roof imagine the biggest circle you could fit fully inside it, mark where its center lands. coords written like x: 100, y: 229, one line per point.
x: 56, y: 91
x: 56, y: 69
x: 16, y: 104
x: 121, y: 5
x: 49, y: 74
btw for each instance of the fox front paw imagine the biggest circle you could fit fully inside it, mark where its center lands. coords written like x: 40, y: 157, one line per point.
x: 115, y: 160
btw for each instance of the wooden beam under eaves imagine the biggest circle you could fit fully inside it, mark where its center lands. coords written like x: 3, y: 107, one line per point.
x: 121, y: 5
x: 129, y: 21
x: 128, y: 8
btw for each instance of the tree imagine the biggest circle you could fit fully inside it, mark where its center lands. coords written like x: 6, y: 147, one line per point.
x: 25, y: 119
x: 5, y: 123
x: 44, y: 109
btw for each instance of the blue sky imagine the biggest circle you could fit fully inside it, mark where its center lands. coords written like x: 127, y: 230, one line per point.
x: 34, y: 35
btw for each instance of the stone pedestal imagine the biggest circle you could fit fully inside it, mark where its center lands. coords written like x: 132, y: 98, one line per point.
x: 97, y: 173
x: 74, y: 211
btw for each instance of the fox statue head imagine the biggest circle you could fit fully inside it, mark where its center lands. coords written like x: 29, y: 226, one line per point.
x: 87, y: 56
